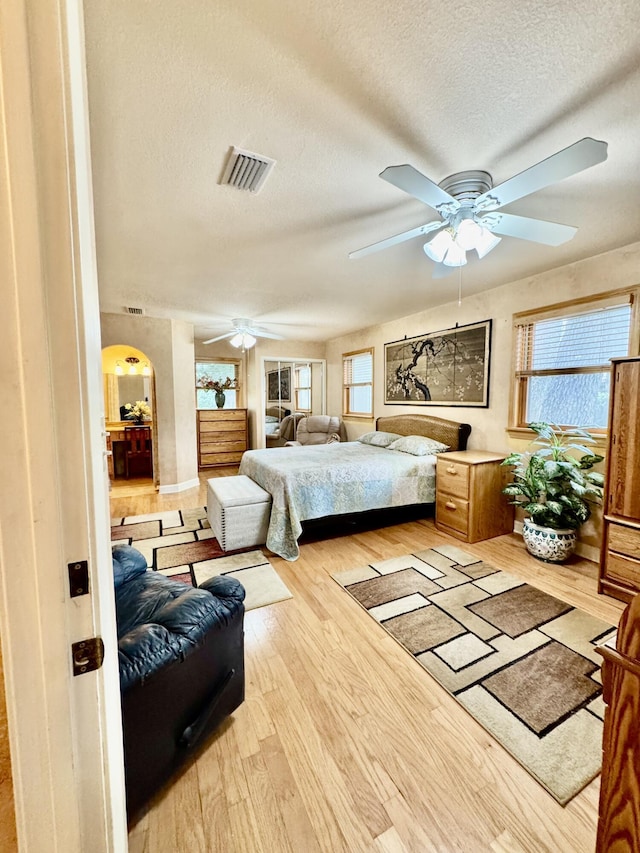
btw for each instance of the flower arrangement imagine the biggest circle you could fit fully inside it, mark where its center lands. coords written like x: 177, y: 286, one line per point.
x: 216, y: 385
x: 138, y: 411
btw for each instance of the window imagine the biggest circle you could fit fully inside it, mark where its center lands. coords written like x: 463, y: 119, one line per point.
x: 219, y: 371
x: 358, y: 383
x: 302, y: 385
x: 562, y: 368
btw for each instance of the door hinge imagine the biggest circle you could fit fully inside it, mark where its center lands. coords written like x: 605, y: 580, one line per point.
x: 87, y: 655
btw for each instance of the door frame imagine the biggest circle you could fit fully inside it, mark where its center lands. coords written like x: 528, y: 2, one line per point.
x: 65, y: 732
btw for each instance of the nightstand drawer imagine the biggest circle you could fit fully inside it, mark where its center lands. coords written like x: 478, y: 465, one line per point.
x: 452, y: 512
x: 623, y: 569
x: 452, y: 477
x: 625, y: 540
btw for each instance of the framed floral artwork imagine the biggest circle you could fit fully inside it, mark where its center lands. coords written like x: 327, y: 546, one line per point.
x: 446, y: 368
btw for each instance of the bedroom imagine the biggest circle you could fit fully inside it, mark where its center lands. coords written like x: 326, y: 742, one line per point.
x: 606, y: 257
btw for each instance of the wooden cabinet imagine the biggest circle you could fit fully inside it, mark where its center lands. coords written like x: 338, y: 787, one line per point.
x: 469, y: 500
x: 222, y: 436
x: 619, y: 808
x: 620, y: 555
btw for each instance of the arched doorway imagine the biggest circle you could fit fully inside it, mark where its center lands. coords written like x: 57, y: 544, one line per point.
x: 129, y: 390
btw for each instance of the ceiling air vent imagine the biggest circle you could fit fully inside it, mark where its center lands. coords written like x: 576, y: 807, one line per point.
x: 247, y: 171
x: 138, y: 312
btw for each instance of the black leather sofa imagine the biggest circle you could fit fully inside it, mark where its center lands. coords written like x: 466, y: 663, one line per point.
x: 181, y: 660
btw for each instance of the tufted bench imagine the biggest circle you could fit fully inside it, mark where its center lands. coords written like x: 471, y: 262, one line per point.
x: 238, y: 510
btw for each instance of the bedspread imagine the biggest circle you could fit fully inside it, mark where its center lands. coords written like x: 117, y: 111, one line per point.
x: 334, y: 479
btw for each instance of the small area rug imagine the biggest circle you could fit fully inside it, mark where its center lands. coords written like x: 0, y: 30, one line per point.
x: 521, y: 662
x: 181, y: 545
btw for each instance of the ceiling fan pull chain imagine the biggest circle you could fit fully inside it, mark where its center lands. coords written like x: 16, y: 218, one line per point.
x: 459, y: 286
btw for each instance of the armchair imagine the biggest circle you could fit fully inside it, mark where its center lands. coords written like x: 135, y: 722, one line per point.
x: 181, y: 661
x: 319, y: 429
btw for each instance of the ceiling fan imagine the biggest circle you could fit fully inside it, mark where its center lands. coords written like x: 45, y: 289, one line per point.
x: 469, y: 206
x: 244, y: 334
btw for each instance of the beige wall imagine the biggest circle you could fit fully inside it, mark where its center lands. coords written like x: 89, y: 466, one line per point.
x: 169, y: 344
x: 611, y: 270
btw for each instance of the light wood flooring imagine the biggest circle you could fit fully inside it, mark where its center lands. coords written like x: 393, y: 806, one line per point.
x: 344, y: 743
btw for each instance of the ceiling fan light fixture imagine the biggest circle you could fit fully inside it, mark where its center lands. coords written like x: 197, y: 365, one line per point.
x: 467, y: 234
x: 437, y: 248
x: 243, y: 339
x: 485, y: 242
x: 455, y: 257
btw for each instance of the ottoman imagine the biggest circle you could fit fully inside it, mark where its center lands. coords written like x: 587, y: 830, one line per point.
x: 238, y: 510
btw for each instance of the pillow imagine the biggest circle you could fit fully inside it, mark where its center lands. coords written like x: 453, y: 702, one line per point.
x: 127, y: 563
x: 418, y: 445
x: 378, y: 438
x: 270, y: 419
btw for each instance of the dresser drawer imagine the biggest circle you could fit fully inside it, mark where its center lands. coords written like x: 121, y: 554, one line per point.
x: 218, y: 458
x: 623, y: 569
x: 452, y: 477
x: 452, y: 512
x: 625, y: 540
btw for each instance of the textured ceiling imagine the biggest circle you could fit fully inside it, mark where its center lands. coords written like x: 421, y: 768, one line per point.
x: 335, y: 92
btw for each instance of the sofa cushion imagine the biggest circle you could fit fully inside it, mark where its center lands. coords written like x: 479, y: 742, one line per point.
x: 127, y: 563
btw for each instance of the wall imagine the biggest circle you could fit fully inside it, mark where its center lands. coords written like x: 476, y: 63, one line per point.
x: 611, y: 270
x: 169, y: 345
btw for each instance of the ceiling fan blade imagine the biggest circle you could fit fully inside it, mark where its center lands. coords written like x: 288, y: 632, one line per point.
x: 536, y: 230
x: 581, y: 155
x: 258, y: 332
x: 219, y: 338
x: 416, y: 184
x: 399, y: 238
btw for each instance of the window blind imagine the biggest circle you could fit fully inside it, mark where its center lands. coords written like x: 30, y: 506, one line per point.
x: 577, y: 341
x: 358, y: 369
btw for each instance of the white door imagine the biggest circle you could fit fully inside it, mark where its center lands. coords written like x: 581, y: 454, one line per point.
x: 65, y: 731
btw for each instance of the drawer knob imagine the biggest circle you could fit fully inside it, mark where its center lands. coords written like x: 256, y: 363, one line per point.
x: 451, y: 470
x: 450, y: 505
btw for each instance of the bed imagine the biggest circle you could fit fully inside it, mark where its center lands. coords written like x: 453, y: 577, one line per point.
x: 346, y: 477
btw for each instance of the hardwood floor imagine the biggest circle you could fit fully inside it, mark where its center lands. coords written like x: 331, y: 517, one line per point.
x: 344, y: 743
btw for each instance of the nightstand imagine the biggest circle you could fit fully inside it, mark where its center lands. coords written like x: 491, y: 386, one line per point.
x: 469, y: 502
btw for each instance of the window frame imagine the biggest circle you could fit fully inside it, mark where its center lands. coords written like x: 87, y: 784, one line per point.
x: 235, y: 362
x: 518, y: 426
x: 346, y: 388
x: 297, y: 388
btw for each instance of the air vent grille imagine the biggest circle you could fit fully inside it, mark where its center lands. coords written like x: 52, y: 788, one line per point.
x: 138, y: 312
x: 247, y: 171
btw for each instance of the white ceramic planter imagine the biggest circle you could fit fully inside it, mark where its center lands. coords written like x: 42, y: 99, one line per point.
x: 545, y: 543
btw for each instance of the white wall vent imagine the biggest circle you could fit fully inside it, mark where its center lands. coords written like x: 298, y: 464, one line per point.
x: 247, y: 171
x: 138, y: 312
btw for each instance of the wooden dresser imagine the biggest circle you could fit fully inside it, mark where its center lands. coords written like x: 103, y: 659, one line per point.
x: 620, y: 555
x: 469, y: 500
x: 222, y: 436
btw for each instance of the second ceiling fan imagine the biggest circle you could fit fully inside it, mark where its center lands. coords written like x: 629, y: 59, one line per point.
x: 469, y: 206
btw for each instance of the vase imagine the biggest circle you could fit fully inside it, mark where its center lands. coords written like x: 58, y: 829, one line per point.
x: 548, y: 544
x: 220, y: 398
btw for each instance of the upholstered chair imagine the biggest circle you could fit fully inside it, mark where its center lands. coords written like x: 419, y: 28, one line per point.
x: 319, y: 429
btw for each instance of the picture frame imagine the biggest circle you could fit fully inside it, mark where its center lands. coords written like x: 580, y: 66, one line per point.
x: 445, y: 368
x: 279, y: 385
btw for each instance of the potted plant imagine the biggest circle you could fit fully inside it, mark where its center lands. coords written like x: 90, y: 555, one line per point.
x: 554, y: 484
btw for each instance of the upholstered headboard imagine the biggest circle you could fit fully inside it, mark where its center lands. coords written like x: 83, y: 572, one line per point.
x: 448, y: 432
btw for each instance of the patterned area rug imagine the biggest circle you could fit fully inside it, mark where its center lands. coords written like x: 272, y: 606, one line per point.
x: 520, y: 661
x: 181, y: 545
